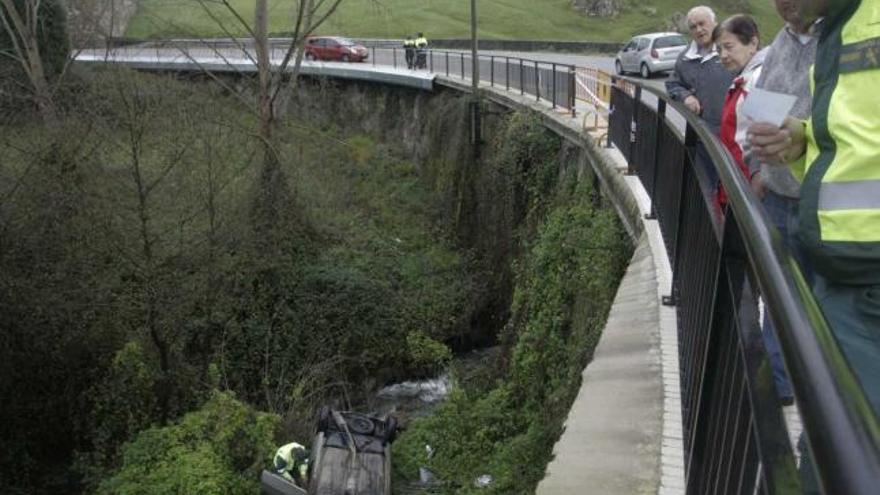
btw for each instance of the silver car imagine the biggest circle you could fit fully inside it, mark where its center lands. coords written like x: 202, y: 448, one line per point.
x: 650, y: 53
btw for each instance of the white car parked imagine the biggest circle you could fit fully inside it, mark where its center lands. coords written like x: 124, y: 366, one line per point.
x: 648, y: 54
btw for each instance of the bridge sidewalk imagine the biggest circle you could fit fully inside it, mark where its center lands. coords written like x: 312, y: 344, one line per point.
x: 623, y: 434
x: 613, y: 434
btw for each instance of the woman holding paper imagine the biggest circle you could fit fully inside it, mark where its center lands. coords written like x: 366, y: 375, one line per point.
x: 738, y: 42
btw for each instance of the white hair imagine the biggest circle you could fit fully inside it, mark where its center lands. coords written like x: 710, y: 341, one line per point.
x: 702, y: 9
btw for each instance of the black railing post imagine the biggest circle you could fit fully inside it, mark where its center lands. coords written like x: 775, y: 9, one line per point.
x: 522, y: 85
x: 690, y: 146
x: 431, y: 60
x: 633, y: 130
x: 553, y: 82
x: 462, y: 65
x: 492, y: 71
x: 572, y: 90
x: 374, y: 55
x: 394, y: 55
x: 661, y: 117
x: 507, y: 73
x: 447, y: 64
x: 614, y: 90
x: 537, y: 82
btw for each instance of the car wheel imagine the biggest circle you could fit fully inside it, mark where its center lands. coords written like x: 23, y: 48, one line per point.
x: 310, y: 57
x: 323, y: 418
x: 618, y: 67
x: 645, y: 71
x: 345, y: 58
x: 360, y: 425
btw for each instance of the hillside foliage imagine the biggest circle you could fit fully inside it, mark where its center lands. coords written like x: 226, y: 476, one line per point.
x: 135, y: 285
x: 561, y: 20
x: 157, y: 338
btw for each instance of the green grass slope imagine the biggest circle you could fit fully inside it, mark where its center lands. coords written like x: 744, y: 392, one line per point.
x: 498, y: 19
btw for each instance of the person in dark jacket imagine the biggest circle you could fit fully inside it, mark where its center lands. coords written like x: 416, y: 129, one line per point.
x: 700, y: 82
x: 786, y: 70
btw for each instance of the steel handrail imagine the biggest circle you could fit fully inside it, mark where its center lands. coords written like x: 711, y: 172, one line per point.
x: 841, y: 427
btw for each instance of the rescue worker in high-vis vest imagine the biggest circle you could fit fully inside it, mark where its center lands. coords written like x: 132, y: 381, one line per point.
x: 409, y: 47
x: 421, y: 51
x: 292, y: 463
x: 421, y: 41
x: 837, y: 155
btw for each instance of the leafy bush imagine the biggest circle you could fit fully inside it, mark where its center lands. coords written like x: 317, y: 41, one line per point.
x: 426, y: 353
x: 218, y: 450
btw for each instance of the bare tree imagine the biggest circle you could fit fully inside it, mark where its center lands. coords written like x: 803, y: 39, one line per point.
x: 22, y: 24
x: 308, y: 15
x: 38, y: 33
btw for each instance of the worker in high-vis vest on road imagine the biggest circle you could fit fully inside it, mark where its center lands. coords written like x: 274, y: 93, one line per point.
x: 292, y: 462
x: 421, y: 51
x: 409, y: 48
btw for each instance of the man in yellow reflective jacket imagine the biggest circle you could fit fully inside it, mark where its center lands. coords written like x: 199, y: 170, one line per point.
x: 836, y: 154
x: 421, y: 51
x: 409, y: 48
x: 292, y: 463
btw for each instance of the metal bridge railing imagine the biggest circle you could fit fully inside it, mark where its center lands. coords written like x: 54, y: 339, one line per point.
x: 735, y: 435
x: 547, y: 81
x: 562, y: 85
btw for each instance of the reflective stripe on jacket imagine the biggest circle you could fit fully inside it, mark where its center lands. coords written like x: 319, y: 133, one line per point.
x: 285, y: 460
x: 840, y: 205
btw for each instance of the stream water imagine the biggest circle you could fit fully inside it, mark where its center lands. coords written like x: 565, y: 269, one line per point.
x: 415, y: 398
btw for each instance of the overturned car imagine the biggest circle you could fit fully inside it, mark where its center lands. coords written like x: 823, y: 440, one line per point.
x: 351, y: 455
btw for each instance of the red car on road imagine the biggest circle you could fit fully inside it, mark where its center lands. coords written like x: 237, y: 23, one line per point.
x: 334, y: 48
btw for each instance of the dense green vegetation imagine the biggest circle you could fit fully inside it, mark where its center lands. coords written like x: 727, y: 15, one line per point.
x: 218, y: 450
x: 136, y: 283
x: 180, y: 292
x: 574, y: 253
x: 498, y: 19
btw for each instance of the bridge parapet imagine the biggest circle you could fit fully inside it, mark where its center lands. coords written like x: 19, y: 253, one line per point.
x: 735, y: 435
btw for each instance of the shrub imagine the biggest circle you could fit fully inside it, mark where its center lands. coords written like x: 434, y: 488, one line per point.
x: 217, y: 450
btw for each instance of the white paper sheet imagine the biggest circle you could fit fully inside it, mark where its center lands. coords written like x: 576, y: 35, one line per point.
x: 767, y: 107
